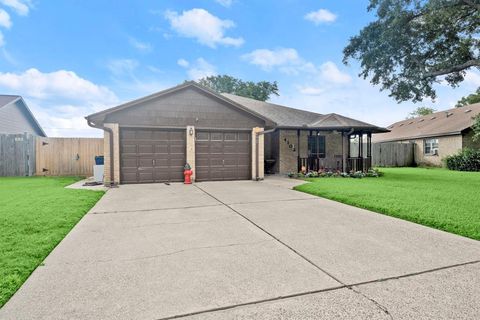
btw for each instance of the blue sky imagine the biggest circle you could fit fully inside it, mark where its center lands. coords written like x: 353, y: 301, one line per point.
x: 72, y: 58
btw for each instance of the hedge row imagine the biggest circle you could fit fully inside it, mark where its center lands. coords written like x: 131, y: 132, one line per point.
x: 465, y: 160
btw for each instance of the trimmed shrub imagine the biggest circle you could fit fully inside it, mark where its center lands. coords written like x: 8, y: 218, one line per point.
x: 465, y: 160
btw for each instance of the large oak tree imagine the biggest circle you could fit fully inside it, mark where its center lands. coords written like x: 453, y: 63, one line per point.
x: 413, y: 44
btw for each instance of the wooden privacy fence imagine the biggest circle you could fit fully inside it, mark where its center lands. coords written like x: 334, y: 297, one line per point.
x: 17, y: 155
x: 393, y: 154
x: 67, y: 156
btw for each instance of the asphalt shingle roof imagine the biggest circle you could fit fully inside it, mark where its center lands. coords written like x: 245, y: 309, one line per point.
x: 291, y: 117
x: 447, y: 122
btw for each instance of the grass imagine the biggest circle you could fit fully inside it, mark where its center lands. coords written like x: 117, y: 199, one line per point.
x: 35, y: 215
x: 438, y: 198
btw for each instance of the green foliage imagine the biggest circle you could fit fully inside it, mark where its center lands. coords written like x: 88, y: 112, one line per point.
x: 465, y: 160
x: 227, y: 84
x: 438, y: 198
x: 421, y: 111
x: 372, y: 173
x: 413, y: 44
x: 35, y: 215
x: 476, y: 128
x: 470, y: 99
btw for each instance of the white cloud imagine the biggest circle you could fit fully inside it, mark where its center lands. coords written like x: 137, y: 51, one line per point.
x: 58, y: 84
x: 225, y: 3
x: 321, y: 16
x: 183, y: 63
x: 330, y: 72
x: 311, y: 91
x: 120, y: 67
x: 59, y: 100
x: 473, y: 78
x: 200, y: 69
x: 2, y: 40
x: 5, y: 19
x: 140, y: 46
x: 268, y: 59
x: 21, y: 7
x: 200, y: 24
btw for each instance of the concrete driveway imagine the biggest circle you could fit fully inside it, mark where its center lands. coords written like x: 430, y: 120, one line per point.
x: 248, y: 250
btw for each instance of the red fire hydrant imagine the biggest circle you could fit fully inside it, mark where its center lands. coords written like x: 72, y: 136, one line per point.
x: 187, y: 173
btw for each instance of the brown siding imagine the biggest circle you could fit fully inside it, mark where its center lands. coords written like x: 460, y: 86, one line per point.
x: 182, y: 108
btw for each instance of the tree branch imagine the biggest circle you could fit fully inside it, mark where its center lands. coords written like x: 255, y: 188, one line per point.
x: 457, y: 68
x: 472, y: 4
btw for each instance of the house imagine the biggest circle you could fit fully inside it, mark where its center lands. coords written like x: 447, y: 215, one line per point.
x: 436, y: 135
x: 16, y: 117
x: 224, y: 137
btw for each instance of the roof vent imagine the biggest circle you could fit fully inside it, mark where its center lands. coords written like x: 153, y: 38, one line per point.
x: 401, y: 124
x: 433, y: 118
x: 468, y: 110
x: 410, y: 122
x: 421, y: 120
x: 448, y: 114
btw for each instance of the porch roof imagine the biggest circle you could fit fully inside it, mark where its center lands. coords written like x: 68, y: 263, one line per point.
x: 286, y: 117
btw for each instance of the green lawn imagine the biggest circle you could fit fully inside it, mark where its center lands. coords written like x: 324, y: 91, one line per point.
x: 439, y: 198
x: 35, y: 214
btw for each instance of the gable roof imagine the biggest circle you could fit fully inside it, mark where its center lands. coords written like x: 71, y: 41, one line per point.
x: 273, y: 114
x: 187, y: 84
x: 443, y: 123
x: 6, y: 100
x: 295, y: 118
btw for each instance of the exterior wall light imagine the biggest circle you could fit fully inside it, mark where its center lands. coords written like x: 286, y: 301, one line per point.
x: 190, y: 132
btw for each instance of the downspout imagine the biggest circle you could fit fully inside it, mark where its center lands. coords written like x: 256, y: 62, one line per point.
x: 110, y: 136
x: 257, y: 134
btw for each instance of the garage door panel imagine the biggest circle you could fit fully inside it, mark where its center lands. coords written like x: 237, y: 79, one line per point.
x: 222, y: 155
x: 129, y: 148
x: 129, y: 162
x: 145, y: 149
x: 151, y: 155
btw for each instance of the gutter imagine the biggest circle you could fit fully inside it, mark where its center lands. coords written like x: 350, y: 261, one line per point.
x: 110, y: 131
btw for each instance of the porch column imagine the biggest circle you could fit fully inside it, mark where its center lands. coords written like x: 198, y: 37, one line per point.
x: 345, y: 151
x: 257, y: 154
x: 191, y: 149
x: 108, y: 157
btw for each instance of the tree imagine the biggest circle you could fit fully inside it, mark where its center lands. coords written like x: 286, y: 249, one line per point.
x: 414, y: 44
x: 476, y: 128
x: 227, y: 84
x: 420, y: 111
x: 470, y: 99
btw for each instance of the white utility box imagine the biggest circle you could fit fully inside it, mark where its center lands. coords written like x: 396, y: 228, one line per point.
x: 98, y: 173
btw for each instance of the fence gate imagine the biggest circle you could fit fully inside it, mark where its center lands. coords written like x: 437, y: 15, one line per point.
x: 67, y: 156
x: 393, y: 154
x: 17, y: 155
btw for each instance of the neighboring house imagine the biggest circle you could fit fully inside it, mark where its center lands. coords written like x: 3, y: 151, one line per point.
x: 436, y: 135
x: 16, y: 117
x: 224, y: 137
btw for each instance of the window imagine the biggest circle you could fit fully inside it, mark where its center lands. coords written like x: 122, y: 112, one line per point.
x: 316, y: 146
x: 431, y: 147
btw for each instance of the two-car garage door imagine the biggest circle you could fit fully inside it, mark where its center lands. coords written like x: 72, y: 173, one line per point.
x: 158, y: 155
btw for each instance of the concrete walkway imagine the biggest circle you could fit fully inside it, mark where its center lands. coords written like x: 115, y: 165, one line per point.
x: 248, y: 250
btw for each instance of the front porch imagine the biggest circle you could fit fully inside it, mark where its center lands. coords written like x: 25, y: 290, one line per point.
x: 297, y: 150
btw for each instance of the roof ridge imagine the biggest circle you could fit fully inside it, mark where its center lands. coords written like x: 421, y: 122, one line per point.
x: 273, y: 104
